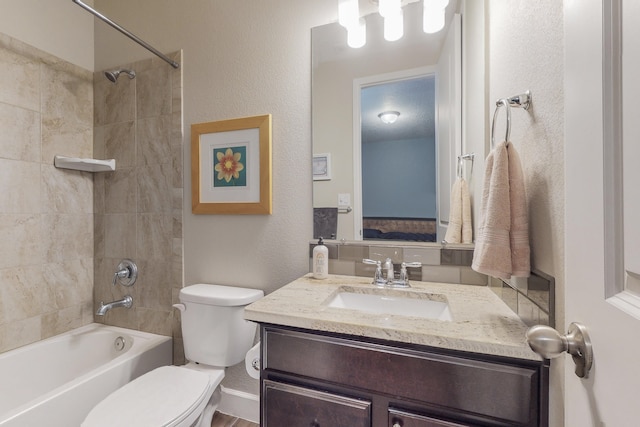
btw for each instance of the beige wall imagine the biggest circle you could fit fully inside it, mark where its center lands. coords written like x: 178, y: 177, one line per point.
x: 46, y: 214
x: 58, y: 27
x: 530, y: 56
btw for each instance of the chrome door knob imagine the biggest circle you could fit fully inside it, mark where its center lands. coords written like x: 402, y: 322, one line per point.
x: 549, y: 343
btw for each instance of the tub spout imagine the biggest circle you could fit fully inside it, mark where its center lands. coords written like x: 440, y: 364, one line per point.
x: 124, y: 302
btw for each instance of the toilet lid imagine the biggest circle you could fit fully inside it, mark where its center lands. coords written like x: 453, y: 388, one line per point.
x: 162, y: 397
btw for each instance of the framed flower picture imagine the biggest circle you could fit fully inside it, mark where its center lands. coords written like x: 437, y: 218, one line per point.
x: 231, y: 166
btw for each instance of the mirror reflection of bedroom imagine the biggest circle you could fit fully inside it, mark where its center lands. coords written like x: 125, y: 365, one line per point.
x: 399, y: 200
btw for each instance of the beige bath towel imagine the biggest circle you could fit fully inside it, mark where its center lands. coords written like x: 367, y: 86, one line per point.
x: 502, y: 244
x: 459, y: 229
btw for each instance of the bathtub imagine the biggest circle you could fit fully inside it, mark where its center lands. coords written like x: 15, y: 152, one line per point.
x: 56, y: 382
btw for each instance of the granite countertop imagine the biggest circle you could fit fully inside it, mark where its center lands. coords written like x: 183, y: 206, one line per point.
x: 482, y: 323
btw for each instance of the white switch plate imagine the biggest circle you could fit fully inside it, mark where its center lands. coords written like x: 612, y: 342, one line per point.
x: 344, y: 200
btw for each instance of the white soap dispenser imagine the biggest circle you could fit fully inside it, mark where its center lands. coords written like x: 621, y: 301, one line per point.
x: 320, y: 261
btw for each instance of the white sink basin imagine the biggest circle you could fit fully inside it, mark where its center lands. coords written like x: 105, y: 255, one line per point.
x: 384, y: 301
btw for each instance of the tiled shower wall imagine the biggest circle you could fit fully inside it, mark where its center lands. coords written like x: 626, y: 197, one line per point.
x: 138, y: 207
x: 46, y: 214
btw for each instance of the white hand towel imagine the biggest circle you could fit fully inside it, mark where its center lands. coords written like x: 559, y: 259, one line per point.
x: 502, y: 243
x: 467, y: 228
x: 454, y: 229
x: 459, y: 229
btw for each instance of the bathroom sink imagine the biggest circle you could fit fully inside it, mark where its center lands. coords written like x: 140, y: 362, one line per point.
x: 384, y: 301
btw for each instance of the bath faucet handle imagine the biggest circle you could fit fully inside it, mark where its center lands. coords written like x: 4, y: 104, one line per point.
x: 126, y: 273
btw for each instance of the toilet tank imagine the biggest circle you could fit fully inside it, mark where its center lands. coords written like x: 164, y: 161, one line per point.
x: 213, y: 327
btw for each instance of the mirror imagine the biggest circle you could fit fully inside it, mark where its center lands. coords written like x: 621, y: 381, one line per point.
x: 356, y: 85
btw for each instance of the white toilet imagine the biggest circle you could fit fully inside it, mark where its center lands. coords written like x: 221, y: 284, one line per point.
x: 215, y: 336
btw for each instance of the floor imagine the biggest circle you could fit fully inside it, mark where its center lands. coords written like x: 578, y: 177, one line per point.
x: 222, y: 420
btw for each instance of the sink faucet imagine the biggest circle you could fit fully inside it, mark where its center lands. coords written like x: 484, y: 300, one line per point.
x: 126, y: 302
x: 388, y: 279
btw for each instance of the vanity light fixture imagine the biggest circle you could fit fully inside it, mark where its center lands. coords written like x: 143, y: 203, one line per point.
x: 433, y: 13
x: 389, y: 117
x: 433, y: 19
x: 391, y: 11
x: 349, y: 18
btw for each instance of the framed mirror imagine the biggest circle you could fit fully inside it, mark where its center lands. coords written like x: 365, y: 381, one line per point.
x: 367, y: 197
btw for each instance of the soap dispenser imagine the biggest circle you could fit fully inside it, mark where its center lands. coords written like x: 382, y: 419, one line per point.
x: 320, y: 260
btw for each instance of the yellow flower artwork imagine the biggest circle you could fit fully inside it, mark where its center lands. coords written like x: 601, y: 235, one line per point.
x: 229, y: 167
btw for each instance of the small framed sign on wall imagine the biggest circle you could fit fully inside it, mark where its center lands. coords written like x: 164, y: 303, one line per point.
x: 231, y: 166
x: 322, y: 167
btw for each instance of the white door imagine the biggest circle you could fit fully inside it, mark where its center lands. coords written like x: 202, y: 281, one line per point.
x: 597, y: 262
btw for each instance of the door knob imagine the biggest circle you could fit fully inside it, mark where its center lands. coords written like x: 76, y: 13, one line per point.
x: 548, y: 343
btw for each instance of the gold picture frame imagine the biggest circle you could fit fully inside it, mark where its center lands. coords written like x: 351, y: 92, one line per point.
x: 231, y: 166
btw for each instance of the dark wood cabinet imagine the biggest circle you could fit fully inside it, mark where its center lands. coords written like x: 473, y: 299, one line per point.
x: 317, y: 379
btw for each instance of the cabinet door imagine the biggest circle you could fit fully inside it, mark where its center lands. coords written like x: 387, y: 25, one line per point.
x: 405, y: 419
x: 288, y: 405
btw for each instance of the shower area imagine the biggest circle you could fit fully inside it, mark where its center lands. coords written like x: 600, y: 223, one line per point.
x: 63, y: 232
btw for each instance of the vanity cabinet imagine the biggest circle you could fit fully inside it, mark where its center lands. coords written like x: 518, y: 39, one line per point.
x: 318, y: 379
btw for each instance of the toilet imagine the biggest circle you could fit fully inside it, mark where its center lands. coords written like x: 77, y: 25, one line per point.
x: 215, y: 336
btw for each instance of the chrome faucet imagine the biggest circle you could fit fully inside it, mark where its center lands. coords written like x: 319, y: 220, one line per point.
x: 388, y: 279
x: 126, y: 302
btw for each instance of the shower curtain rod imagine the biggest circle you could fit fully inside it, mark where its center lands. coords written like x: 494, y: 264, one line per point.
x: 127, y: 33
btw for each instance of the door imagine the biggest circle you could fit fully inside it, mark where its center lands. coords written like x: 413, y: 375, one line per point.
x: 595, y: 266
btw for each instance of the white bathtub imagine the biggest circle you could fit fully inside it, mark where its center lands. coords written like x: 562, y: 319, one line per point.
x: 56, y: 382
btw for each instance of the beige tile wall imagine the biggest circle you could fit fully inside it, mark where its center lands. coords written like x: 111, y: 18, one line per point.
x: 138, y: 207
x: 46, y: 214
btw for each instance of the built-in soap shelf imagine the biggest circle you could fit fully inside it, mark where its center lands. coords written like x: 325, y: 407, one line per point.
x: 87, y: 165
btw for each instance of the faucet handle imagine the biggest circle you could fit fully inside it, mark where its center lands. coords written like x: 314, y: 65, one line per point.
x: 377, y: 277
x: 404, y: 276
x: 126, y: 274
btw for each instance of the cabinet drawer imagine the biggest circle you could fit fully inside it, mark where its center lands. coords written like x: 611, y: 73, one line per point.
x: 490, y: 390
x: 404, y: 419
x: 288, y: 405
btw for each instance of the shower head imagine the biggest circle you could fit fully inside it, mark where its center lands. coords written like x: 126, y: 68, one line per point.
x: 114, y: 74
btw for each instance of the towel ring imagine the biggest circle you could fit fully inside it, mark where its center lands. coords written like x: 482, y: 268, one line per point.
x: 461, y: 160
x: 523, y: 100
x: 501, y: 102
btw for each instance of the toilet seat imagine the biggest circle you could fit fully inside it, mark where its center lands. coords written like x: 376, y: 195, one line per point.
x: 168, y: 396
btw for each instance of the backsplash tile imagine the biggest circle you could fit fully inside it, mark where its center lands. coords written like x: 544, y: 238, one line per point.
x: 532, y: 298
x: 346, y: 258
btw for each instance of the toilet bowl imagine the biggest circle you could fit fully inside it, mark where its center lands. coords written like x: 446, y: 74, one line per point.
x: 215, y: 336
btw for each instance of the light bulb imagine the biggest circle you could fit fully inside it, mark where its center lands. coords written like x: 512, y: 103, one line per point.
x: 388, y: 7
x: 348, y: 13
x: 394, y: 26
x: 357, y: 35
x: 432, y: 20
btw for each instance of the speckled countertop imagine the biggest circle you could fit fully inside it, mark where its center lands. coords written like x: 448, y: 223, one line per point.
x: 481, y: 323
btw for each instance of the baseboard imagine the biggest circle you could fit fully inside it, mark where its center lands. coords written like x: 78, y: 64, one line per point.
x: 240, y: 404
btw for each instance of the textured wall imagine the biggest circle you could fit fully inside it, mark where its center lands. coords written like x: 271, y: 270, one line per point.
x: 46, y: 214
x: 526, y: 52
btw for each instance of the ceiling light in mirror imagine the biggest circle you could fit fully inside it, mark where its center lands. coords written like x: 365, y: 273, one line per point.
x: 389, y: 117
